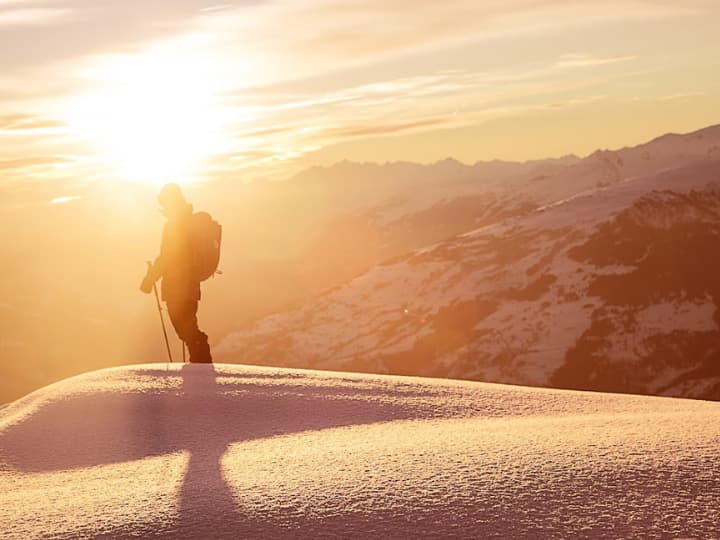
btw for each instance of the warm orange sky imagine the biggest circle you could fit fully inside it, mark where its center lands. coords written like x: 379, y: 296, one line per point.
x: 185, y: 89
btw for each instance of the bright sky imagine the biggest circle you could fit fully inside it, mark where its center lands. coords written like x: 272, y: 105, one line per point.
x: 186, y: 89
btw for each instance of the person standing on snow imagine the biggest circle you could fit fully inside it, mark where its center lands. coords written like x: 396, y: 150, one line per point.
x: 175, y: 265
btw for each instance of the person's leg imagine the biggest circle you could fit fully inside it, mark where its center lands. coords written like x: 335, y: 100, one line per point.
x: 183, y: 315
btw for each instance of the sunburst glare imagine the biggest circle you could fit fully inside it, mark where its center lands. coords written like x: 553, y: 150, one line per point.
x: 152, y: 117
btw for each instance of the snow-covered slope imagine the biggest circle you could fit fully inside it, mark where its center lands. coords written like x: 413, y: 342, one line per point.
x: 239, y: 452
x: 611, y: 289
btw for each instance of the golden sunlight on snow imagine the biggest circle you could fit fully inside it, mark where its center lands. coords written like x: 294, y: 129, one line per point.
x: 236, y: 451
x: 95, y: 500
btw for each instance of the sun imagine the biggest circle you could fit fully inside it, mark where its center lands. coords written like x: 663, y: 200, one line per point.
x: 152, y: 117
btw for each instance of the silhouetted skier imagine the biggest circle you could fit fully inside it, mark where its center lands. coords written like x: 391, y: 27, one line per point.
x: 182, y: 264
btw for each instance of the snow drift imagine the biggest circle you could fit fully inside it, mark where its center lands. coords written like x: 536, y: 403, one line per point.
x: 236, y: 451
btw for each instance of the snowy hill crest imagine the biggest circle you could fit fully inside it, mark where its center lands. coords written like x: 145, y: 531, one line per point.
x: 166, y: 451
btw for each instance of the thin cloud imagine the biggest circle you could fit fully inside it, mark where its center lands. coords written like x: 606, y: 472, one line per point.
x: 23, y: 122
x: 680, y: 95
x: 220, y: 7
x: 22, y: 163
x: 575, y: 102
x: 385, y: 129
x: 64, y: 199
x: 665, y: 97
x: 104, y: 26
x: 587, y: 60
x: 405, y: 105
x: 266, y: 132
x: 312, y: 102
x: 323, y: 36
x: 32, y: 16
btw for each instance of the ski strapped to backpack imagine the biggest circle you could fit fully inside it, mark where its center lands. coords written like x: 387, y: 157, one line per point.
x: 206, y: 237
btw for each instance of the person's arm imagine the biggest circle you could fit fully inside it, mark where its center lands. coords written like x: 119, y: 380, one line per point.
x: 157, y: 269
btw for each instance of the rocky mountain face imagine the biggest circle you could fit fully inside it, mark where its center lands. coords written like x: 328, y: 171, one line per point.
x: 598, y: 273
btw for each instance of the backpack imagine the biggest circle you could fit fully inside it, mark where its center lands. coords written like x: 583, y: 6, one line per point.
x: 206, y: 234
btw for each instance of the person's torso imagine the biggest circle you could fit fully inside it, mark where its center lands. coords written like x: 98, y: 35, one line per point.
x: 178, y: 278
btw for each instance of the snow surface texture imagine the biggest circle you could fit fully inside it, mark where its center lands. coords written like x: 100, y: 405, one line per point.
x: 233, y: 451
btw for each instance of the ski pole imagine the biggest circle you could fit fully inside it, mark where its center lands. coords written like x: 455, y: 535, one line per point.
x: 162, y: 319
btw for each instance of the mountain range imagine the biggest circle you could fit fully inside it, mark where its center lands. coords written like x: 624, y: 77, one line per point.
x: 597, y: 273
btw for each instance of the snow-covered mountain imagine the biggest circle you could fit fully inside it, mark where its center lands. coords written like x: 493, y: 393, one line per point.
x: 605, y: 279
x: 164, y: 451
x: 367, y: 213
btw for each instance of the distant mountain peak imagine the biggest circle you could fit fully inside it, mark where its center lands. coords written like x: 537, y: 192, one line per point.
x: 450, y: 161
x: 712, y: 131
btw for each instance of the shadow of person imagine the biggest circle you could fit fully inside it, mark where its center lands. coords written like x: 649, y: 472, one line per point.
x: 130, y: 414
x: 206, y: 504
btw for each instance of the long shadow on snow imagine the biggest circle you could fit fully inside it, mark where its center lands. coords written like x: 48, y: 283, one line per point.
x: 103, y: 428
x: 208, y: 413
